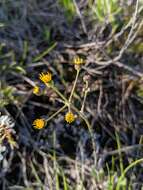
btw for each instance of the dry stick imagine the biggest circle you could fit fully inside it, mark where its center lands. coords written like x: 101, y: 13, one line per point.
x: 71, y: 162
x: 128, y: 68
x: 100, y: 100
x: 115, y: 60
x: 24, y: 169
x: 130, y: 38
x: 87, y: 45
x: 38, y: 104
x: 126, y: 149
x: 29, y: 81
x: 122, y: 31
x: 127, y: 43
x: 105, y: 64
x: 138, y: 27
x: 48, y: 178
x: 80, y: 16
x: 37, y: 177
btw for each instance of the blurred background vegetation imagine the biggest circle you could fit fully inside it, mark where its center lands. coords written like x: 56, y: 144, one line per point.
x: 41, y: 35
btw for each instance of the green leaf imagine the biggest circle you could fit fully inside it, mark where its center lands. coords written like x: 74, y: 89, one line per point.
x: 20, y: 69
x: 43, y: 54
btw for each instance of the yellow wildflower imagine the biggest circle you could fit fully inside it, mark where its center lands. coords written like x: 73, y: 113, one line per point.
x: 78, y: 61
x: 39, y: 123
x: 69, y: 117
x: 45, y: 77
x: 36, y: 90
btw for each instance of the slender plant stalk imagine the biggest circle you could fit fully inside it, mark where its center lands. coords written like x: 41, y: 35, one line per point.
x: 120, y: 155
x: 36, y: 176
x: 89, y: 128
x: 68, y: 103
x: 73, y: 89
x: 83, y: 117
x: 57, y: 92
x: 84, y: 100
x: 56, y: 113
x: 126, y: 170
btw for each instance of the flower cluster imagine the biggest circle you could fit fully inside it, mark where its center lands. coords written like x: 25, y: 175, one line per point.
x: 46, y: 78
x: 6, y: 132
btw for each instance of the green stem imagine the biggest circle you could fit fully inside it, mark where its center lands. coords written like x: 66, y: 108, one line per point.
x: 73, y: 89
x: 84, y: 100
x: 126, y: 170
x: 89, y: 128
x: 58, y: 92
x: 56, y: 113
x: 83, y: 117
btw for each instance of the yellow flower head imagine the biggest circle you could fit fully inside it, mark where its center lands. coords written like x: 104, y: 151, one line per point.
x: 69, y: 117
x: 78, y: 61
x: 36, y: 90
x: 45, y: 77
x: 39, y: 123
